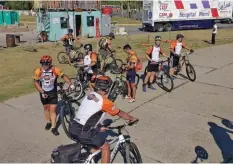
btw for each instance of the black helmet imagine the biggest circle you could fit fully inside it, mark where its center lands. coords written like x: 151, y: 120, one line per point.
x: 179, y: 36
x: 88, y: 47
x: 158, y: 38
x: 103, y: 83
x: 70, y: 31
x: 111, y: 35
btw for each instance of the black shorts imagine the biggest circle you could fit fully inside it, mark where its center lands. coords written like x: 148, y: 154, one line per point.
x: 52, y: 99
x: 68, y: 49
x: 152, y: 67
x: 175, y: 60
x: 92, y: 137
x: 91, y: 77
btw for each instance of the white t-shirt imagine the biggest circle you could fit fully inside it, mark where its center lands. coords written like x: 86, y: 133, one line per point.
x: 215, y: 29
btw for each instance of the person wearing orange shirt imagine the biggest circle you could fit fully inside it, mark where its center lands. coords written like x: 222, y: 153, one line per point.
x: 86, y: 126
x: 175, y: 51
x: 90, y: 64
x: 153, y: 56
x: 45, y: 81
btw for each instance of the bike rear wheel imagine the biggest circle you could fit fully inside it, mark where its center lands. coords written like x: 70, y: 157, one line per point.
x: 66, y: 115
x: 190, y: 72
x: 166, y: 82
x: 132, y: 153
x: 79, y: 89
x: 116, y: 65
x: 62, y: 58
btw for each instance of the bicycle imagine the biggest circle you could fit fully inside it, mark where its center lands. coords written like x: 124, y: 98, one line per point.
x: 112, y: 64
x: 119, y: 86
x: 124, y: 145
x: 188, y: 67
x: 163, y: 75
x: 67, y: 113
x: 75, y: 54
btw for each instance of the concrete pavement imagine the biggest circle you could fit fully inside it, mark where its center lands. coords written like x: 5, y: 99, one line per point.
x: 171, y: 125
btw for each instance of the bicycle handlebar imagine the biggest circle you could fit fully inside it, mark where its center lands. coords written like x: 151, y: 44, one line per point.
x: 120, y: 127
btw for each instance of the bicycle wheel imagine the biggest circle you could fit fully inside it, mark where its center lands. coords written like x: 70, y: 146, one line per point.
x: 132, y: 153
x: 114, y: 91
x: 116, y: 65
x: 166, y: 82
x: 66, y: 115
x: 190, y: 72
x: 62, y: 58
x: 137, y: 78
x: 79, y: 89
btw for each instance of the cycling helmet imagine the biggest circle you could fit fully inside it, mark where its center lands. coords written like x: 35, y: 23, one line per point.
x: 158, y: 38
x: 111, y: 35
x: 46, y: 60
x: 103, y: 83
x: 179, y: 36
x: 70, y: 31
x: 88, y: 47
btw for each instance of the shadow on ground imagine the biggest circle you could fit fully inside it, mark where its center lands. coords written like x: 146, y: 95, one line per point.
x: 223, y: 140
x: 201, y: 154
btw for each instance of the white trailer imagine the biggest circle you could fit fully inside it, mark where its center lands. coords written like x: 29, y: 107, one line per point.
x: 167, y: 15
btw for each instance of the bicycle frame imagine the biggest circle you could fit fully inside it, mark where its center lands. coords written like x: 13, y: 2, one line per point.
x: 121, y: 139
x: 184, y: 59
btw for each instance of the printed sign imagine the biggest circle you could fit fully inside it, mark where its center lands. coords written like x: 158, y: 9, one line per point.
x: 224, y: 5
x: 165, y: 15
x: 163, y: 6
x: 204, y: 13
x: 187, y: 15
x: 55, y: 20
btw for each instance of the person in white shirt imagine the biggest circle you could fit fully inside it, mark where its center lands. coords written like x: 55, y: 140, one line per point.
x: 152, y: 55
x: 214, y: 32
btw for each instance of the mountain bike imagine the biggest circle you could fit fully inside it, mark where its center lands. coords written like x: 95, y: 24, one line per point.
x: 123, y: 145
x: 119, y: 86
x: 67, y: 112
x: 184, y: 60
x: 163, y: 75
x: 75, y: 54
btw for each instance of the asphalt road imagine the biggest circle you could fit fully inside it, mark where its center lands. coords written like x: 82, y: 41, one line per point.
x: 136, y: 29
x: 194, y: 121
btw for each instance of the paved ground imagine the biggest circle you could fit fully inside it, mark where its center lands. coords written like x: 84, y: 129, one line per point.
x: 172, y: 125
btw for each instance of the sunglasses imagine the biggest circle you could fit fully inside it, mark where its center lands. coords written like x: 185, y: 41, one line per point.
x: 45, y: 64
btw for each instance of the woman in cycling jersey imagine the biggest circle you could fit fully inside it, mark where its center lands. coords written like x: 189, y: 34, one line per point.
x: 45, y: 81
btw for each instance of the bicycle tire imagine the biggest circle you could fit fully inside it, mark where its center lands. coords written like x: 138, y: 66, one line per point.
x: 171, y: 82
x: 62, y: 58
x: 116, y: 65
x: 137, y: 79
x: 78, y: 94
x: 63, y: 114
x: 131, y: 147
x: 113, y: 91
x: 194, y: 73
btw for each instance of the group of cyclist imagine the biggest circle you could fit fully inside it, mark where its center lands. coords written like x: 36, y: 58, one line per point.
x: 86, y: 126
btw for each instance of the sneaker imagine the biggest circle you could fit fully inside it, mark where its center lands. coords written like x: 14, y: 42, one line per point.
x: 127, y: 97
x: 48, y: 126
x: 131, y: 100
x: 55, y: 132
x: 152, y: 87
x: 144, y: 88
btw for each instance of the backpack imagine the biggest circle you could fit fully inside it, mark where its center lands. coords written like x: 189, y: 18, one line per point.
x: 66, y: 153
x: 138, y: 65
x: 103, y: 43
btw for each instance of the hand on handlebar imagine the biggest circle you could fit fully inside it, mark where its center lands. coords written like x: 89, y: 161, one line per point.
x: 191, y: 50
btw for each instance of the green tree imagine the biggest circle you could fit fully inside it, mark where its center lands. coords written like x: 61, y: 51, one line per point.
x: 19, y: 5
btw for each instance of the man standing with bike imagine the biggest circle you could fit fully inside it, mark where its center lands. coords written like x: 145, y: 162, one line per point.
x: 131, y: 73
x: 175, y: 50
x: 45, y: 81
x: 86, y: 125
x: 153, y: 56
x: 68, y: 40
x: 105, y: 49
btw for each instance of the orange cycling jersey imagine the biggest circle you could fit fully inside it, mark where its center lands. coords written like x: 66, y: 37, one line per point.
x: 48, y: 78
x: 177, y: 46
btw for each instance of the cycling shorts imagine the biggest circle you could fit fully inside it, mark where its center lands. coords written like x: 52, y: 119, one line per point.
x: 68, y: 49
x: 52, y: 99
x: 93, y: 137
x: 175, y: 60
x: 131, y: 76
x: 152, y: 67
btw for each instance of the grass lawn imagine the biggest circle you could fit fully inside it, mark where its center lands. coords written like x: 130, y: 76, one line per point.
x: 17, y: 65
x: 27, y: 18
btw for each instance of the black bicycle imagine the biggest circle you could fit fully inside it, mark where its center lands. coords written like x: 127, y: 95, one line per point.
x: 67, y: 112
x: 119, y: 86
x: 166, y: 82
